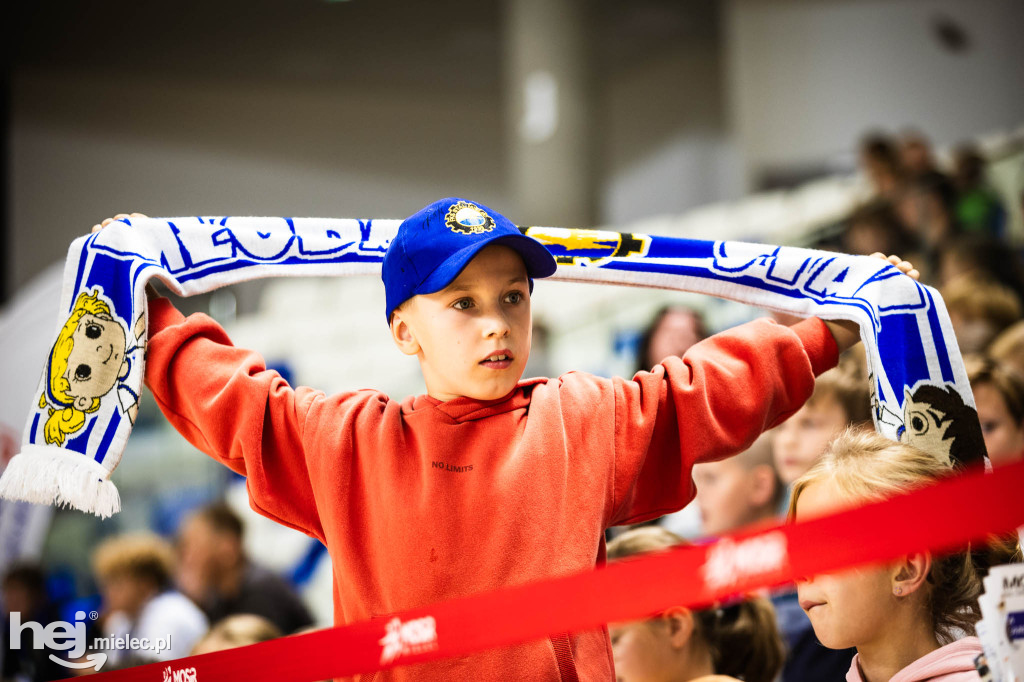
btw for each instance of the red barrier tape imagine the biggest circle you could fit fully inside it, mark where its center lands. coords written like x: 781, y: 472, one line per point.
x: 942, y: 517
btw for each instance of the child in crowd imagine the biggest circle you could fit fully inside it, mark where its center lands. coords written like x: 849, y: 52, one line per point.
x: 1008, y: 347
x: 740, y: 490
x: 725, y: 644
x: 904, y: 616
x: 672, y: 330
x: 485, y: 481
x: 134, y: 575
x: 999, y: 395
x: 841, y: 398
x: 998, y: 389
x: 979, y: 310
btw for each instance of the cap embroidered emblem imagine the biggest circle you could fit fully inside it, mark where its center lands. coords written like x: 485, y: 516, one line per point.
x: 468, y: 219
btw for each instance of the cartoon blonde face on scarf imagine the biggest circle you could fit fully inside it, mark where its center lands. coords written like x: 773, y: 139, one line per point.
x: 87, y: 362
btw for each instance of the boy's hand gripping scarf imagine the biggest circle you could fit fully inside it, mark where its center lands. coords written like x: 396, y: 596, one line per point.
x: 88, y: 396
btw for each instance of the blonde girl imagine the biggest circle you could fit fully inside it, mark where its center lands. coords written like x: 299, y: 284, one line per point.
x: 740, y: 641
x: 909, y: 618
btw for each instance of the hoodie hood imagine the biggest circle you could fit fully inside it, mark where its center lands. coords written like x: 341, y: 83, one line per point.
x: 951, y: 663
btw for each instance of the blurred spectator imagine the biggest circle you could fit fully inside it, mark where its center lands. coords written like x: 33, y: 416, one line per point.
x: 881, y: 164
x: 978, y: 255
x: 215, y: 572
x: 235, y: 631
x: 875, y: 228
x: 539, y: 362
x: 978, y: 207
x: 738, y: 641
x: 926, y: 208
x: 916, y: 154
x: 134, y: 575
x: 999, y: 395
x: 24, y: 593
x: 672, y: 331
x: 738, y: 491
x: 979, y: 309
x: 998, y: 389
x: 841, y: 397
x: 1008, y: 346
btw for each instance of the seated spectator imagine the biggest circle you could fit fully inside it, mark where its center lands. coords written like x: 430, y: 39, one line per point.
x: 999, y: 396
x: 907, y: 617
x: 926, y: 209
x: 841, y: 397
x: 235, y: 631
x: 24, y: 593
x: 673, y: 329
x: 980, y: 256
x: 134, y: 576
x: 738, y: 641
x: 1008, y: 346
x: 880, y: 161
x: 215, y: 572
x: 978, y: 208
x: 875, y: 228
x: 916, y: 154
x: 979, y: 309
x: 738, y: 491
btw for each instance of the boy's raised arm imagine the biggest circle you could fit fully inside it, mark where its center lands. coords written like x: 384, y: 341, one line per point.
x: 225, y: 402
x: 711, y: 403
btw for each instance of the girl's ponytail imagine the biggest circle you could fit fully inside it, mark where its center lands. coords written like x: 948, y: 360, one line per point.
x: 743, y: 639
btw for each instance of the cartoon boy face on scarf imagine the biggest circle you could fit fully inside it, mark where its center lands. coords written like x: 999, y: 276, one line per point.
x: 936, y: 419
x: 87, y: 361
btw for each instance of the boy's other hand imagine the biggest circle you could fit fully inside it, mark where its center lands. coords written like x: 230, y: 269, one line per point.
x: 904, y: 266
x: 99, y: 226
x: 847, y: 333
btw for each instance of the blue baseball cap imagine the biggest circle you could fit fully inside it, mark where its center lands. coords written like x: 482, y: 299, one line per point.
x: 434, y: 244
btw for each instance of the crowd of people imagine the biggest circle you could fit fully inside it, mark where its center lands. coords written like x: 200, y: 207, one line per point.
x: 196, y: 594
x: 953, y: 227
x: 915, y: 613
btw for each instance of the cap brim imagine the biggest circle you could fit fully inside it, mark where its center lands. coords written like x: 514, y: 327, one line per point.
x: 538, y: 260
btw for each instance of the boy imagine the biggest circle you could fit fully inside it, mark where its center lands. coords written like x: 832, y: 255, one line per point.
x: 485, y: 481
x: 841, y: 398
x: 738, y: 491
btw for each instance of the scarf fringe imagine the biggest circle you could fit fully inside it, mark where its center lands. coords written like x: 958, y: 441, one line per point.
x: 51, y: 475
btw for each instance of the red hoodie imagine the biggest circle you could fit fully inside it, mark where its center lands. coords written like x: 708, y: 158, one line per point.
x: 420, y: 501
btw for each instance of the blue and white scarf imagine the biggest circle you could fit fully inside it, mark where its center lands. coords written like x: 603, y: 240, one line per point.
x: 88, y: 395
